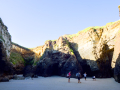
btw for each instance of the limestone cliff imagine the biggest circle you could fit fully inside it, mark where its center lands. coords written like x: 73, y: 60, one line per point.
x: 5, y: 47
x: 5, y: 38
x: 58, y: 59
x: 90, y: 50
x: 116, y: 58
x: 20, y: 57
x: 93, y: 48
x: 96, y: 46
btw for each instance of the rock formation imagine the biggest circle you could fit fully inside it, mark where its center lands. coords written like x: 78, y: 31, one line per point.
x: 94, y: 50
x: 96, y: 46
x: 6, y: 67
x: 116, y: 58
x: 58, y: 59
x: 21, y: 58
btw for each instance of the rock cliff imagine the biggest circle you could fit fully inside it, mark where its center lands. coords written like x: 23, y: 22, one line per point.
x: 58, y: 59
x: 116, y: 58
x: 95, y: 46
x: 5, y: 47
x: 94, y: 50
x: 21, y: 58
x: 92, y: 47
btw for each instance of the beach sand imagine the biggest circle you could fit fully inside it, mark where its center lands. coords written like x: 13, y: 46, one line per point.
x: 60, y: 83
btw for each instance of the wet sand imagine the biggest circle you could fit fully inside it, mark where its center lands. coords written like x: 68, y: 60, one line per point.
x: 60, y: 83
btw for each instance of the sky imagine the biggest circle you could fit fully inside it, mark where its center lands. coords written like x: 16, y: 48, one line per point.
x: 32, y: 22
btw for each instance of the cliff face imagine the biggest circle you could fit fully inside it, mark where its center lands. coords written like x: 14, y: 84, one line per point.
x: 20, y: 57
x: 5, y: 47
x: 92, y: 47
x: 94, y: 50
x: 5, y: 37
x: 116, y: 58
x: 96, y: 46
x: 58, y: 59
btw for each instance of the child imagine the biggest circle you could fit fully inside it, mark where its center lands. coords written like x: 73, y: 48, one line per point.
x: 94, y: 78
x: 85, y: 75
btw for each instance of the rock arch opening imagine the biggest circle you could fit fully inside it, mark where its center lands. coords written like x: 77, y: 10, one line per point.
x: 55, y: 69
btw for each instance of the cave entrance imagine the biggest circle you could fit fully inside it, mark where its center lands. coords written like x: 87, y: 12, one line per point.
x: 55, y: 69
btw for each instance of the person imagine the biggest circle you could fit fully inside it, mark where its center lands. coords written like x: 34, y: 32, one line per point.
x: 94, y: 78
x: 69, y: 74
x: 78, y: 76
x: 85, y: 75
x: 32, y: 76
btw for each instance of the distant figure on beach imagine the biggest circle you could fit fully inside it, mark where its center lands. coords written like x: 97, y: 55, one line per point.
x: 32, y: 76
x: 78, y: 76
x: 69, y: 74
x: 85, y: 75
x: 94, y: 78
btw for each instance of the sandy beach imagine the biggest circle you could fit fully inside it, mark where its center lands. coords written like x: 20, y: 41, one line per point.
x: 60, y: 83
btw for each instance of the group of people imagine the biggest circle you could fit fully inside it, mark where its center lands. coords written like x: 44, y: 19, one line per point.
x: 78, y: 75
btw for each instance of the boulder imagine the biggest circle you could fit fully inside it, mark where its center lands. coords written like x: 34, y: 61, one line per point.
x: 18, y: 77
x: 4, y: 79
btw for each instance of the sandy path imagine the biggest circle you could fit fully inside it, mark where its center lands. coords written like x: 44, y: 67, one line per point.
x: 60, y: 83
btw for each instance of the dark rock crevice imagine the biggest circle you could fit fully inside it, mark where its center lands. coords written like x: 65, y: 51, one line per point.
x: 6, y: 67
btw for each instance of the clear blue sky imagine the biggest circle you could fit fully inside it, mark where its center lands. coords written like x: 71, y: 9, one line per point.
x: 32, y: 22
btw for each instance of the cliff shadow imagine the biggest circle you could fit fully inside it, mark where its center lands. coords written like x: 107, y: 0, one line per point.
x: 117, y: 69
x: 101, y: 67
x: 6, y: 67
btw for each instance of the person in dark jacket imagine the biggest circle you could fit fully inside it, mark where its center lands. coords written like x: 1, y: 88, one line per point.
x: 78, y: 76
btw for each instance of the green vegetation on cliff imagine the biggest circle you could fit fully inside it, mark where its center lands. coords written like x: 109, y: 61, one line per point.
x: 85, y: 30
x: 50, y: 40
x: 68, y: 44
x: 110, y: 23
x: 29, y: 61
x: 16, y: 58
x: 89, y: 28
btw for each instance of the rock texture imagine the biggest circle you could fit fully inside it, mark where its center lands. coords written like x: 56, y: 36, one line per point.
x: 93, y: 49
x: 21, y: 58
x: 116, y: 58
x: 6, y: 67
x: 5, y: 37
x: 58, y: 59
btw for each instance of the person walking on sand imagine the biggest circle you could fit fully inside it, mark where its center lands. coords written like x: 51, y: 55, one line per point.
x: 85, y: 75
x: 94, y: 78
x: 69, y: 74
x: 78, y: 76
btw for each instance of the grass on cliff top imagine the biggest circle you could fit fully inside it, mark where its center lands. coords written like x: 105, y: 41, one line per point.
x: 20, y: 46
x: 87, y: 29
x: 16, y: 58
x: 110, y: 23
x: 84, y: 30
x: 50, y: 40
